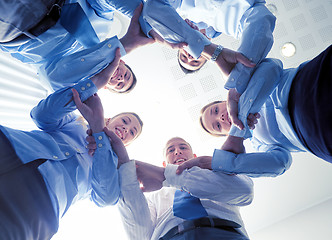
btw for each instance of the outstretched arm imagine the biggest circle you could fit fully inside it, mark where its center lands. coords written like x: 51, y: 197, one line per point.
x: 68, y: 70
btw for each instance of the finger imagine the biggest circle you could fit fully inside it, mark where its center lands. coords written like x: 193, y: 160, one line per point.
x: 257, y: 115
x: 91, y: 152
x: 137, y: 13
x: 91, y: 146
x: 77, y: 99
x: 89, y: 132
x: 238, y: 123
x: 114, y: 138
x: 245, y: 61
x: 178, y: 45
x: 90, y: 139
x: 184, y: 166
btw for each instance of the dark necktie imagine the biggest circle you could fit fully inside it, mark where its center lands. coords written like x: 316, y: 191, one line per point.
x: 187, y: 207
x: 75, y: 21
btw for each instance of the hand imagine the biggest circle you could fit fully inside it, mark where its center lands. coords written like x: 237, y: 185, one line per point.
x: 193, y: 26
x: 232, y: 109
x: 102, y: 78
x: 118, y: 147
x: 252, y: 120
x: 227, y: 60
x: 92, y: 110
x: 160, y: 40
x: 233, y: 144
x: 92, y: 146
x: 202, y: 162
x: 150, y: 176
x: 134, y: 37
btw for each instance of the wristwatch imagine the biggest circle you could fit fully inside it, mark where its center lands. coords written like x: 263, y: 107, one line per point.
x: 216, y: 53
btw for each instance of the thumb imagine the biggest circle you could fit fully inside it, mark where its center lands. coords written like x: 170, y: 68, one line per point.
x: 114, y: 138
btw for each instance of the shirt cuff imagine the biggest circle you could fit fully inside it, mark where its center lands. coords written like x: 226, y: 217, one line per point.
x: 102, y: 140
x: 171, y: 178
x: 196, y: 44
x: 85, y: 89
x: 127, y: 173
x: 222, y: 160
x: 239, y: 78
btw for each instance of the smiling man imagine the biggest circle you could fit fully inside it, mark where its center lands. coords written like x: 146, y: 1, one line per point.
x: 164, y: 214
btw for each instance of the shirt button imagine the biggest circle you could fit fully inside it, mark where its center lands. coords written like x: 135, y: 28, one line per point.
x: 78, y: 150
x: 232, y: 79
x: 82, y: 88
x: 55, y: 157
x: 67, y: 153
x: 250, y: 100
x: 100, y: 137
x: 109, y: 45
x: 100, y: 145
x: 179, y: 21
x: 82, y: 59
x: 198, y: 40
x: 88, y: 85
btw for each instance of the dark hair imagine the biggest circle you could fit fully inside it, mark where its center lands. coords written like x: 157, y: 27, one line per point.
x: 136, y: 116
x: 185, y: 70
x: 201, y: 119
x: 132, y: 86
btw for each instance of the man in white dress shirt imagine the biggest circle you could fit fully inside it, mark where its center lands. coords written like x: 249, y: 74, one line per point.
x: 151, y: 216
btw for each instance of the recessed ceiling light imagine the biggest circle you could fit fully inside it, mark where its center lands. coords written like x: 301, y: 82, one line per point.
x: 288, y: 49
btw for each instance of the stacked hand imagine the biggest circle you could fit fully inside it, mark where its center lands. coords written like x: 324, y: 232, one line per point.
x: 150, y: 176
x: 232, y: 109
x: 92, y: 110
x: 134, y: 37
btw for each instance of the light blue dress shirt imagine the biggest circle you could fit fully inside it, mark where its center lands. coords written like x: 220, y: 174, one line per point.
x: 70, y: 173
x: 248, y: 20
x: 274, y: 136
x: 55, y: 47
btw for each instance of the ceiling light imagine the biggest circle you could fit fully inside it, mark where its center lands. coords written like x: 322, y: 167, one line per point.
x: 288, y: 49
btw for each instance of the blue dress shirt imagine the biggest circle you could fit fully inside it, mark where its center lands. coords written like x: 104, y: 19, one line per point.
x: 70, y: 173
x: 248, y: 20
x: 273, y: 136
x: 55, y: 47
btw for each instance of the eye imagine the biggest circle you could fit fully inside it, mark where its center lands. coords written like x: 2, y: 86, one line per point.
x: 218, y: 126
x: 216, y: 110
x: 183, y: 148
x: 132, y: 133
x: 124, y: 121
x: 171, y: 150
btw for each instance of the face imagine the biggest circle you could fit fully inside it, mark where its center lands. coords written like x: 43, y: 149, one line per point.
x: 126, y: 126
x: 189, y: 62
x: 121, y: 79
x: 178, y: 151
x: 215, y: 119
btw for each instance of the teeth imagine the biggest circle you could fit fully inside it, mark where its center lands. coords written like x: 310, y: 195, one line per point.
x: 118, y: 132
x: 179, y: 160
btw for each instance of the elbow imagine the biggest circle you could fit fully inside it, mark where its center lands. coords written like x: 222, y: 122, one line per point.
x: 103, y: 200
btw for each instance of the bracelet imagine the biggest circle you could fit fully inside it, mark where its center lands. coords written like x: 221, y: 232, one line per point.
x: 216, y: 53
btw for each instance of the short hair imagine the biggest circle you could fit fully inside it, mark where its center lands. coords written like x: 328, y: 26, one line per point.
x: 132, y: 86
x: 187, y: 71
x: 136, y: 116
x: 172, y: 139
x: 201, y: 119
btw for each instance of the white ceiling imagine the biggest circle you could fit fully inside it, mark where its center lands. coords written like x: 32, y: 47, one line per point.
x: 169, y: 102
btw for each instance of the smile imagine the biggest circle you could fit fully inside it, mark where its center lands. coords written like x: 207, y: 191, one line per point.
x: 119, y: 133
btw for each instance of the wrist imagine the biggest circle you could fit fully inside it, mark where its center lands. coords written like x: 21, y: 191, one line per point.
x: 127, y: 44
x: 97, y: 127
